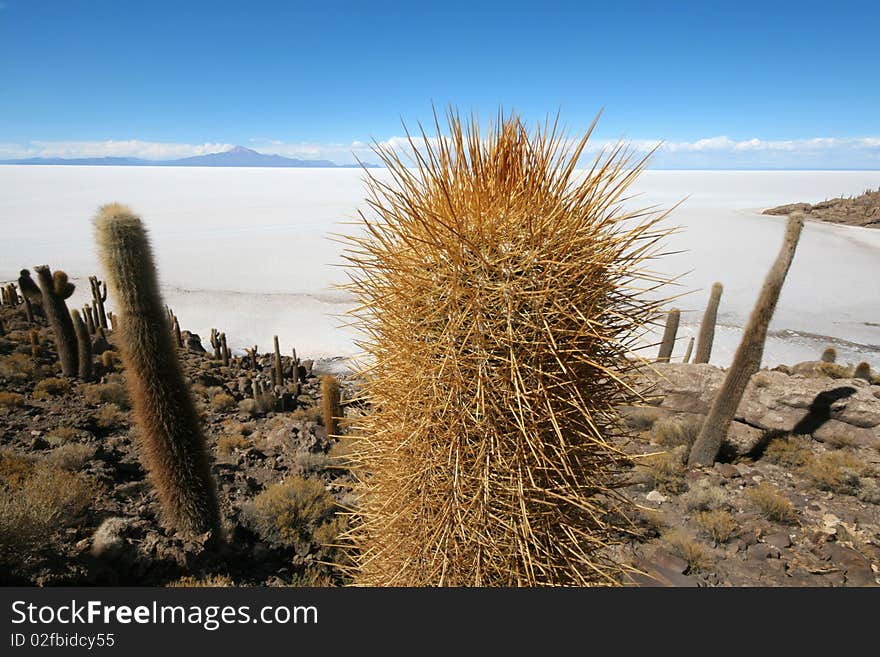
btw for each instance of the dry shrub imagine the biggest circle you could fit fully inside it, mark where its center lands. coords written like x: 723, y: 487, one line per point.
x: 760, y: 380
x: 36, y: 501
x: 311, y: 462
x: 109, y: 416
x: 772, y: 504
x: 500, y: 298
x: 208, y: 581
x: 11, y: 400
x: 106, y: 393
x: 228, y: 444
x: 672, y: 432
x: 307, y: 414
x: 834, y: 370
x: 703, y: 495
x: 719, y: 525
x: 72, y: 456
x: 640, y: 418
x: 222, y: 402
x: 51, y: 387
x: 840, y: 472
x: 17, y: 367
x: 790, y: 452
x: 248, y: 407
x: 688, y: 548
x: 663, y: 472
x: 62, y: 435
x: 288, y: 513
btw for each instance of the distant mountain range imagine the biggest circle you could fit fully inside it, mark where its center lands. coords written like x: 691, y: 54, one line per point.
x: 236, y: 157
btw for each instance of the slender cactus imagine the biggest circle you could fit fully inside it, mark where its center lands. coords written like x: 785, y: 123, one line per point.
x: 278, y: 373
x: 668, y: 343
x: 687, y: 352
x: 215, y: 343
x: 177, y: 336
x: 747, y: 359
x: 84, y: 346
x: 90, y: 320
x: 330, y: 408
x: 225, y: 349
x: 55, y: 289
x: 707, y: 328
x: 36, y: 349
x: 174, y: 450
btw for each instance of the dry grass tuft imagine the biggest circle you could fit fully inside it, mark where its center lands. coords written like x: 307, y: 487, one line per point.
x: 106, y: 393
x: 663, y: 472
x: 109, y: 416
x: 719, y: 525
x: 791, y: 452
x: 688, y: 548
x: 672, y: 432
x: 839, y: 471
x: 51, y: 387
x: 72, y: 456
x: 221, y: 402
x: 703, y: 495
x: 640, y: 418
x: 226, y: 445
x: 501, y: 294
x: 772, y: 504
x: 208, y: 581
x: 11, y: 400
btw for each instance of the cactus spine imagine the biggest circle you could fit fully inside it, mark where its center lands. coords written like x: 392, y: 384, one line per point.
x: 707, y: 328
x: 500, y: 296
x: 55, y: 289
x: 84, y: 346
x: 687, y: 352
x: 330, y: 407
x: 174, y: 450
x: 669, y: 333
x: 747, y: 360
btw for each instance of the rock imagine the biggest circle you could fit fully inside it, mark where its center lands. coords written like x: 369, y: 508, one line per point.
x: 741, y: 438
x: 760, y: 551
x: 727, y: 470
x: 670, y: 562
x: 855, y: 566
x: 779, y: 540
x: 39, y: 443
x: 839, y: 433
x: 192, y: 342
x: 656, y: 496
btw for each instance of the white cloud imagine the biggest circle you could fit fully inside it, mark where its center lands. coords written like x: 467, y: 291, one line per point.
x: 148, y: 150
x: 710, y: 152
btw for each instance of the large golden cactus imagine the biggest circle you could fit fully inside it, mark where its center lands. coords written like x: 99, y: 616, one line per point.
x: 501, y: 294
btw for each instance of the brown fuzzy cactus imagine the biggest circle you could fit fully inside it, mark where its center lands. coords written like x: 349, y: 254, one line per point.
x: 747, y: 359
x: 829, y: 355
x: 55, y: 289
x: 707, y: 327
x: 502, y: 294
x: 666, y: 346
x: 173, y: 447
x: 84, y: 346
x: 331, y: 410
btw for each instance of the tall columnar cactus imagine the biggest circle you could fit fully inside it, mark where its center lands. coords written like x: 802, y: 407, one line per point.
x: 215, y: 343
x: 89, y: 319
x: 687, y: 352
x: 278, y: 373
x: 747, y: 359
x: 669, y: 333
x: 174, y: 450
x: 99, y: 296
x: 84, y: 346
x: 501, y: 295
x: 707, y: 328
x: 224, y: 349
x: 36, y: 349
x: 330, y: 406
x: 55, y: 289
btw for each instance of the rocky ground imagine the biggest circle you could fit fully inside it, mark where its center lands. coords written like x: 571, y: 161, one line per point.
x: 861, y: 210
x: 794, y: 502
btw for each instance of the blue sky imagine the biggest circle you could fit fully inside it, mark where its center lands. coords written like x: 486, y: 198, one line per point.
x: 724, y: 84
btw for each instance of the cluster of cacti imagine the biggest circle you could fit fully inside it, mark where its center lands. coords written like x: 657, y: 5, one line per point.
x: 99, y: 296
x: 747, y: 359
x: 9, y: 295
x: 173, y: 446
x: 707, y: 327
x: 668, y: 342
x: 218, y: 342
x: 55, y: 289
x: 501, y: 296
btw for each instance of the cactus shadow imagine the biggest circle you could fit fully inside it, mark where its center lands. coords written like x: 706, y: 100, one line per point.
x: 818, y: 413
